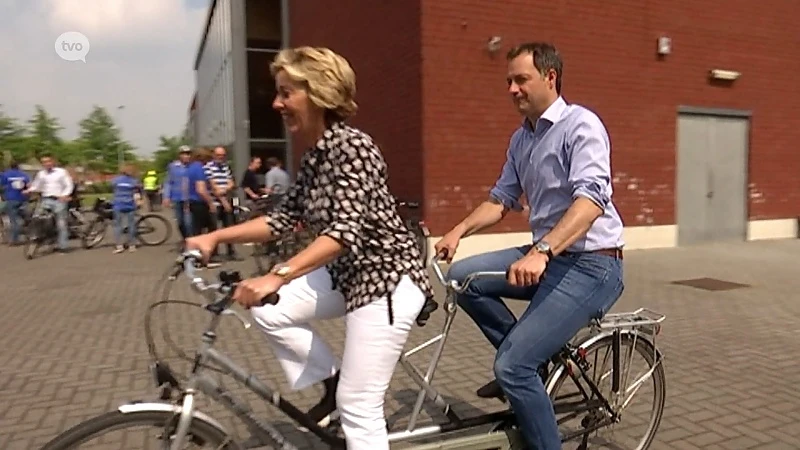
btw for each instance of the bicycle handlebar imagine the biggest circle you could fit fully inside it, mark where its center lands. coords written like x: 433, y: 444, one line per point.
x: 228, y: 281
x: 453, y: 284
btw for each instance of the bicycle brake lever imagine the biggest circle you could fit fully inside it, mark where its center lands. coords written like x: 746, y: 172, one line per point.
x: 234, y: 313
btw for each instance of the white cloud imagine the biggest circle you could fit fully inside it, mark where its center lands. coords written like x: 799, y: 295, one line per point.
x: 141, y: 56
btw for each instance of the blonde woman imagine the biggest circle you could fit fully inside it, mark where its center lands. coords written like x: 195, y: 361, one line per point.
x: 364, y: 264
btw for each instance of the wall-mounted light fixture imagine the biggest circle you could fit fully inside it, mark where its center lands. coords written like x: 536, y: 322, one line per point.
x: 664, y: 45
x: 724, y: 75
x: 494, y: 43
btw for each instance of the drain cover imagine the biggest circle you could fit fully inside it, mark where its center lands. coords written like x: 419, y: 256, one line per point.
x: 710, y: 284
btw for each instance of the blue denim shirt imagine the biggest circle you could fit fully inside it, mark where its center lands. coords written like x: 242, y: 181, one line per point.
x: 565, y: 155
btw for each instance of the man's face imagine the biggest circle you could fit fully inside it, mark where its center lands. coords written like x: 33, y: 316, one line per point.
x: 256, y: 164
x: 184, y: 157
x: 219, y: 154
x: 530, y: 91
x: 47, y: 163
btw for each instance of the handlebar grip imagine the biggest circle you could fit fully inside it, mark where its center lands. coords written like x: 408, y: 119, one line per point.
x: 271, y: 299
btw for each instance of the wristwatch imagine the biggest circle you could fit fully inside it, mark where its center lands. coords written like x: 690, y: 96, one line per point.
x: 544, y: 247
x: 281, y: 270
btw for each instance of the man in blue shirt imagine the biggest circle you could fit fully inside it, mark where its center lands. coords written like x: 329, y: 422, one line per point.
x: 14, y: 182
x: 177, y: 190
x: 123, y: 203
x: 559, y: 159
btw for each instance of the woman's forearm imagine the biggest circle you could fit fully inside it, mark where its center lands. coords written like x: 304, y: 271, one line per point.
x: 254, y: 230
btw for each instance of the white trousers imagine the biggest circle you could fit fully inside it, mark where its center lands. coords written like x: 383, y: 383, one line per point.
x: 371, y: 351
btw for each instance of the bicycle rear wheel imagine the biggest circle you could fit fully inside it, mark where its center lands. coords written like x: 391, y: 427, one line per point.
x: 640, y: 418
x: 153, y: 229
x: 201, y: 433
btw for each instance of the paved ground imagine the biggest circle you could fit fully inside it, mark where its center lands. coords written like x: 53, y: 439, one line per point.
x: 72, y: 343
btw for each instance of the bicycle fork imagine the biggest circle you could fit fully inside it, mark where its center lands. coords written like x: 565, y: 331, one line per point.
x: 185, y: 420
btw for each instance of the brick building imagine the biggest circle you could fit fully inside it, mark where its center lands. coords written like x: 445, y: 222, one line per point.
x: 704, y: 147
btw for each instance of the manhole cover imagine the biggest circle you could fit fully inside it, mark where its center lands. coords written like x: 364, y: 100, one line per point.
x: 710, y: 284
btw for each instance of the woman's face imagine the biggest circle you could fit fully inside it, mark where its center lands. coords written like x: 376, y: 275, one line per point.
x: 300, y: 115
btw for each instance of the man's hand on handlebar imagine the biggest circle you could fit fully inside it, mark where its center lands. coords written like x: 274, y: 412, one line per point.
x: 447, y: 246
x: 251, y: 292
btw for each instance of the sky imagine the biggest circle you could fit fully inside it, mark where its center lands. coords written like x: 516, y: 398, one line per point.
x: 141, y: 55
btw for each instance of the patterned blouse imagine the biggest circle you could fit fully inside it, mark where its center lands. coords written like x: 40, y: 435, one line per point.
x: 341, y: 192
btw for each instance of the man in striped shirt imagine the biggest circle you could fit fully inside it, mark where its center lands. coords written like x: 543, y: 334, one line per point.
x: 221, y: 186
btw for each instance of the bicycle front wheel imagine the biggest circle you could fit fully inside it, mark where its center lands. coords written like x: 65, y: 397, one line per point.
x: 153, y: 229
x: 640, y: 401
x: 159, y: 424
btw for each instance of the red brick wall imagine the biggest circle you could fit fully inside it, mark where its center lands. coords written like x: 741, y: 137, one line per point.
x: 610, y: 65
x: 382, y: 42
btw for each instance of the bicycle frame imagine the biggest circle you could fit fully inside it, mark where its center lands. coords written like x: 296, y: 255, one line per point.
x: 501, y: 435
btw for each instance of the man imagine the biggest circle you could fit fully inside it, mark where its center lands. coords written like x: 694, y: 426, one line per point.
x: 55, y: 186
x: 13, y: 183
x: 178, y: 191
x: 276, y: 180
x: 250, y: 186
x: 220, y: 182
x: 559, y: 159
x: 150, y: 183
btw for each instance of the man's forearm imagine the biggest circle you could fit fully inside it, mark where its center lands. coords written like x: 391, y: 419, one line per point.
x: 255, y: 230
x: 574, y: 224
x: 485, y: 215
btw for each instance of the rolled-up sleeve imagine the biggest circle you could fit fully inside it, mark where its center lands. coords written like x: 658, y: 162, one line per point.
x: 356, y: 165
x: 508, y: 189
x: 589, y: 154
x: 289, y: 212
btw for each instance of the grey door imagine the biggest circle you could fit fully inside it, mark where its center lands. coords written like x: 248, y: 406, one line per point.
x: 711, y: 178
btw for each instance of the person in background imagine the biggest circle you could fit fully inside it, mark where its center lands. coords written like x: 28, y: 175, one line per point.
x: 150, y: 184
x: 250, y: 186
x: 125, y: 187
x: 221, y: 185
x: 14, y: 182
x: 77, y: 188
x: 202, y: 200
x: 56, y: 187
x: 277, y: 180
x: 177, y: 192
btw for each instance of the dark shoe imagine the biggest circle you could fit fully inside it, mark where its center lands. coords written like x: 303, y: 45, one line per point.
x: 325, y: 411
x: 491, y: 390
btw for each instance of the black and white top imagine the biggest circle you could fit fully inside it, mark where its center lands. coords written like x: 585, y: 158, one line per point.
x: 341, y: 191
x: 217, y: 174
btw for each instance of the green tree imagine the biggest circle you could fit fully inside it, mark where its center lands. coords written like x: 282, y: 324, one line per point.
x: 101, y: 142
x: 13, y: 141
x: 43, y: 130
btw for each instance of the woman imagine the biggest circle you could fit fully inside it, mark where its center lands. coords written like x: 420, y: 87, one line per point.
x: 124, y: 201
x: 364, y: 263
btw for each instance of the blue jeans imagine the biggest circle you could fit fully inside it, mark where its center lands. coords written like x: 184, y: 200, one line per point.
x: 13, y: 209
x: 575, y: 289
x: 184, y: 218
x: 59, y: 208
x: 129, y: 217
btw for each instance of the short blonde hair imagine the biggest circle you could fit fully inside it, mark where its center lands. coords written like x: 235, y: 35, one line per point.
x: 329, y: 80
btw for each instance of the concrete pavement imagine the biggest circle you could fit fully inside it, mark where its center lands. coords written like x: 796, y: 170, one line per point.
x: 72, y: 343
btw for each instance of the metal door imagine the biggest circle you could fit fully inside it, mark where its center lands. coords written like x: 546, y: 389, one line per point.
x: 711, y: 178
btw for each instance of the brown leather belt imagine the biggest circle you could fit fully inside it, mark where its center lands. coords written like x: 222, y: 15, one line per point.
x: 612, y: 252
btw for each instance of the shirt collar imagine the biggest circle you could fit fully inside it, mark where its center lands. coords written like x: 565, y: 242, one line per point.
x: 550, y: 115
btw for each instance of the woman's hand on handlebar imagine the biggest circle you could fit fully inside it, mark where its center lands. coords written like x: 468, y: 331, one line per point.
x: 252, y: 291
x: 447, y: 246
x: 205, y: 244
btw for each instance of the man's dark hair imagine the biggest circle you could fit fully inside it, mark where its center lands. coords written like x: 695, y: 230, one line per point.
x: 273, y: 162
x: 13, y: 164
x: 545, y: 58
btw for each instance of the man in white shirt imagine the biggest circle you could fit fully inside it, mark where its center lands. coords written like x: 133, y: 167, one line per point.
x: 55, y: 186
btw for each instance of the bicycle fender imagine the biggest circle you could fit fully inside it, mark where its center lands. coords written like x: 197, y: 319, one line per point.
x: 167, y: 407
x: 586, y: 343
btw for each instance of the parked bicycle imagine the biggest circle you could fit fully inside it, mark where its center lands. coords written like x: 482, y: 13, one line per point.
x: 176, y: 421
x: 147, y: 226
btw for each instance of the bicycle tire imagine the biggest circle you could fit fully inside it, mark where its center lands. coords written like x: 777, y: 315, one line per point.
x: 646, y: 349
x: 98, y: 425
x: 158, y: 218
x: 97, y: 229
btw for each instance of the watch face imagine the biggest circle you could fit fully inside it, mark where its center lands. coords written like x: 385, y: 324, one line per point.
x: 543, y: 246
